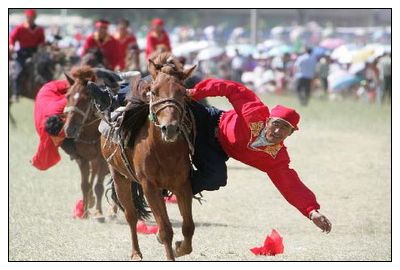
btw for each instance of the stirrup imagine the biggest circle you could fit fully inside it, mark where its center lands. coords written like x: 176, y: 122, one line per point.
x: 199, y: 198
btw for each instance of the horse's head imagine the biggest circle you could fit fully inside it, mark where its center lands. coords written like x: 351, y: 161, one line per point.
x: 167, y: 94
x: 79, y: 103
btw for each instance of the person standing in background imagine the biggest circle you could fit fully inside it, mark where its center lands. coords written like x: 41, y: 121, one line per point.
x: 128, y: 46
x: 157, y: 38
x: 305, y: 66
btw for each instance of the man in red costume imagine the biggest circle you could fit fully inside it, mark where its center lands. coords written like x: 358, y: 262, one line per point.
x: 127, y: 44
x: 252, y: 134
x: 157, y: 38
x: 29, y: 36
x: 107, y: 44
x: 49, y: 106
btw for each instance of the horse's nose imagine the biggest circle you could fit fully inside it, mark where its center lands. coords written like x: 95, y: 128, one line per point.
x: 170, y: 130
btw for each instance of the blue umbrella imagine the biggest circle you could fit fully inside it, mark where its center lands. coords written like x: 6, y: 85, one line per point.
x: 319, y: 51
x: 344, y: 82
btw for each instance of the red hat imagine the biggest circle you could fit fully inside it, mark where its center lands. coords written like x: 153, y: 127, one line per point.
x: 102, y: 23
x: 157, y: 21
x: 30, y: 12
x: 286, y: 114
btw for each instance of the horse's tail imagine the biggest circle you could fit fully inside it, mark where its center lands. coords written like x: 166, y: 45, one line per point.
x: 137, y: 198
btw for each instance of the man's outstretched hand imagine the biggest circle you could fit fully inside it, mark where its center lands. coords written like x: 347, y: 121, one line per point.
x: 321, y: 221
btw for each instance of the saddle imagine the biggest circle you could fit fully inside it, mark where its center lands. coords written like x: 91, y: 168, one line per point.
x: 110, y: 129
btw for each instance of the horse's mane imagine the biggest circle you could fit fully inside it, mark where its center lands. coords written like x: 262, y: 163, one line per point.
x: 83, y: 73
x: 136, y: 112
x: 165, y: 62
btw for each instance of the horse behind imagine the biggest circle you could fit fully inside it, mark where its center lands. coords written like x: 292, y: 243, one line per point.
x: 156, y: 157
x: 81, y: 125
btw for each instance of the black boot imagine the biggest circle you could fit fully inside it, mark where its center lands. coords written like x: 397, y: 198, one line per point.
x: 103, y: 98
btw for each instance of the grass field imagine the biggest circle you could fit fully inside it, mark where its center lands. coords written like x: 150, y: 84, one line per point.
x: 342, y: 152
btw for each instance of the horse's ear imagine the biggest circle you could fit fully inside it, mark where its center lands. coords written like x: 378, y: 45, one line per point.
x: 154, y: 68
x: 188, y: 72
x: 70, y: 80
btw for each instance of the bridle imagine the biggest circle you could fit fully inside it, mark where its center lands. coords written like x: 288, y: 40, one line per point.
x: 163, y: 103
x: 85, y: 114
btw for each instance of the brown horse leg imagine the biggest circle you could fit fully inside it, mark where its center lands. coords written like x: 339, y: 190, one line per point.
x: 102, y: 171
x: 157, y: 205
x: 184, y: 197
x: 124, y: 194
x: 94, y: 167
x: 84, y: 168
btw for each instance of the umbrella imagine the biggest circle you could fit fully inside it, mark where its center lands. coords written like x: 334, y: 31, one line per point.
x: 362, y: 55
x: 342, y: 80
x: 319, y: 51
x: 357, y: 68
x: 280, y: 50
x: 184, y: 49
x: 331, y: 43
x: 244, y: 49
x: 210, y: 53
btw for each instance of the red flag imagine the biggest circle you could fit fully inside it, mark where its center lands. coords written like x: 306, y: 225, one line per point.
x: 272, y: 245
x: 79, y: 210
x: 141, y: 227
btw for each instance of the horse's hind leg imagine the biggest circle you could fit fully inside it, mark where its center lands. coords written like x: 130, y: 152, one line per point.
x: 124, y: 194
x: 85, y: 187
x: 184, y: 197
x: 157, y: 205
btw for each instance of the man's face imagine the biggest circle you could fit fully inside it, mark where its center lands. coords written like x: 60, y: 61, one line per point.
x: 122, y: 27
x: 103, y: 31
x: 277, y: 130
x: 30, y: 19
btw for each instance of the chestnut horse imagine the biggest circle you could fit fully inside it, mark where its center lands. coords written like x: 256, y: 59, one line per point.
x: 157, y: 156
x: 81, y: 124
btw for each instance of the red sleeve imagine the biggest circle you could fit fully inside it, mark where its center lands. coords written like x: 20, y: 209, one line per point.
x: 13, y: 36
x: 89, y: 43
x: 149, y: 45
x: 295, y: 192
x: 244, y: 101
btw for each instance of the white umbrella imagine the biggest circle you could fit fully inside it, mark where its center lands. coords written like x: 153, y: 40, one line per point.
x: 184, y: 49
x: 210, y: 53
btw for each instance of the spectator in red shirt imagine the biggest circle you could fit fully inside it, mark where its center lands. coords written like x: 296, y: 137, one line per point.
x: 128, y: 45
x: 106, y: 43
x: 157, y: 38
x: 29, y: 36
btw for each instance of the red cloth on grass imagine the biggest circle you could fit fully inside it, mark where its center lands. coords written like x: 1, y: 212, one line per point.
x: 272, y: 245
x: 49, y: 101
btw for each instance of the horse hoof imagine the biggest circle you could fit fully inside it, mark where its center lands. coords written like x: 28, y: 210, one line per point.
x: 136, y: 257
x: 180, y: 251
x: 100, y: 219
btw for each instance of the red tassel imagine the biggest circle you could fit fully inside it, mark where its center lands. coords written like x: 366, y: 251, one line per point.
x: 79, y: 210
x: 273, y: 245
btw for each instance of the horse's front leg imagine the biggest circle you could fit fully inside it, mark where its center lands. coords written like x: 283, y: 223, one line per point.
x: 157, y: 205
x: 124, y: 195
x: 85, y: 187
x: 184, y: 197
x: 102, y: 170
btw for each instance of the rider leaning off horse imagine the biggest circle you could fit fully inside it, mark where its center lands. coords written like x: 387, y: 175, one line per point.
x: 29, y: 36
x: 250, y: 133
